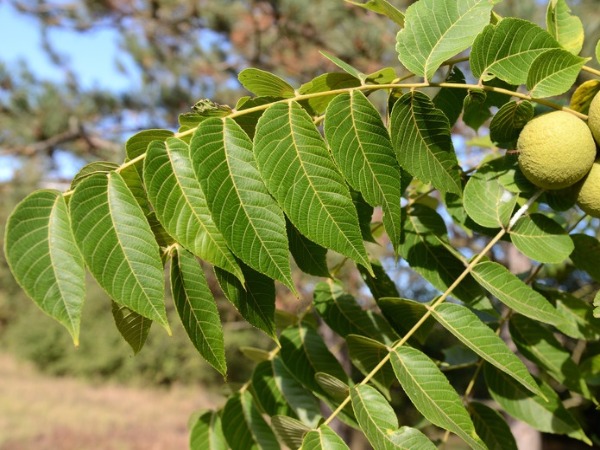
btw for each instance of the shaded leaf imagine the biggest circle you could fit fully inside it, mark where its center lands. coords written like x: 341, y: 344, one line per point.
x: 91, y: 169
x: 267, y: 393
x: 450, y: 100
x: 345, y: 66
x: 197, y: 308
x: 382, y: 7
x: 422, y: 142
x: 133, y: 327
x: 541, y: 238
x: 325, y: 83
x: 586, y: 254
x: 180, y: 203
x: 295, y: 164
x: 380, y: 285
x: 509, y: 121
x: 291, y: 431
x: 247, y: 216
x: 432, y: 394
x: 404, y: 314
x: 553, y: 73
x: 491, y: 427
x: 323, y: 438
x: 335, y: 388
x: 436, y: 31
x: 249, y: 119
x: 362, y: 149
x: 567, y: 29
x: 118, y: 245
x: 577, y: 313
x: 514, y: 293
x: 263, y: 83
x: 311, y: 258
x: 42, y: 255
x: 137, y: 144
x: 475, y: 110
x: 583, y: 96
x: 207, y: 434
x: 366, y: 354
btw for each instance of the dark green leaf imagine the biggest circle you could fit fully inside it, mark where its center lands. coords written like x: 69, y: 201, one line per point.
x: 381, y: 285
x: 207, y: 433
x: 325, y: 83
x: 366, y: 354
x: 509, y: 121
x: 311, y: 258
x: 404, y: 314
x: 291, y: 431
x: 586, y: 254
x: 450, y: 100
x: 491, y: 427
x: 267, y: 393
x: 133, y: 327
x: 475, y: 109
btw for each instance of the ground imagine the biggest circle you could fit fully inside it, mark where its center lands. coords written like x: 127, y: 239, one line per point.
x: 43, y: 412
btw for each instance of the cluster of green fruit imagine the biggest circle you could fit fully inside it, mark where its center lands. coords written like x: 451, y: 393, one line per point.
x: 558, y: 150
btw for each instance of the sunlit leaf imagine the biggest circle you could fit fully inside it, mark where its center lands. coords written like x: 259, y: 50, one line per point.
x: 491, y: 427
x: 541, y: 238
x: 207, y: 434
x: 553, y: 73
x: 294, y: 161
x: 567, y: 29
x: 118, y: 245
x: 508, y: 49
x: 263, y: 83
x: 583, y: 95
x: 422, y: 142
x: 514, y: 293
x: 244, y: 212
x: 180, y: 203
x: 42, y: 255
x: 362, y: 149
x: 132, y: 326
x: 91, y: 169
x: 436, y: 31
x: 432, y: 394
x: 323, y: 438
x: 197, y: 308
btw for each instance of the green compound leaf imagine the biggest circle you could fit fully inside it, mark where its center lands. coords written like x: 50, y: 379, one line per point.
x: 180, y: 204
x: 586, y: 254
x: 133, y: 327
x: 486, y: 200
x: 421, y: 138
x: 243, y: 425
x: 539, y: 345
x: 436, y: 31
x: 197, y: 308
x: 432, y: 394
x: 491, y: 427
x: 379, y: 422
x: 295, y: 163
x: 404, y: 314
x: 266, y: 84
x: 242, y: 208
x: 311, y: 258
x: 362, y: 149
x: 323, y: 438
x: 266, y: 392
x: 42, y: 255
x: 91, y: 169
x: 577, y: 313
x: 480, y: 338
x: 255, y: 300
x: 508, y: 49
x: 118, y: 245
x: 509, y: 121
x: 324, y: 83
x: 366, y: 354
x: 137, y: 144
x: 514, y: 293
x: 567, y: 29
x: 541, y: 238
x: 553, y: 73
x: 544, y: 414
x: 382, y: 7
x: 207, y: 433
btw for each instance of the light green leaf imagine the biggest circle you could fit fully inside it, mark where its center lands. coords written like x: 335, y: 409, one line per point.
x: 597, y: 51
x: 244, y: 212
x: 324, y: 83
x: 132, y: 176
x: 553, y: 73
x: 362, y: 149
x: 345, y: 66
x: 432, y: 394
x: 583, y: 96
x: 577, y: 314
x: 207, y: 433
x: 42, y: 255
x: 541, y: 238
x: 255, y: 300
x: 514, y: 293
x: 323, y: 438
x: 243, y: 426
x: 586, y: 254
x: 491, y: 427
x: 295, y: 163
x: 311, y: 258
x: 508, y: 49
x: 421, y: 138
x: 567, y: 29
x: 428, y: 255
x: 486, y: 200
x: 133, y: 327
x: 539, y: 345
x: 262, y: 83
x: 544, y: 414
x: 597, y: 306
x: 480, y: 338
x: 345, y: 316
x: 509, y: 121
x: 366, y: 354
x: 300, y: 399
x: 91, y: 169
x: 289, y: 430
x: 404, y: 314
x: 137, y: 144
x: 180, y: 203
x: 436, y: 31
x: 118, y: 245
x: 378, y: 421
x: 197, y: 308
x: 382, y: 7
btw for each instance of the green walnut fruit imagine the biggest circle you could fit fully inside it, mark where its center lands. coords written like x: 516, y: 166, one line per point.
x: 588, y: 197
x: 594, y: 117
x: 556, y: 150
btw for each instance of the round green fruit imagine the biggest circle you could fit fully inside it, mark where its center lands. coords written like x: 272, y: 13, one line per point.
x: 588, y: 197
x: 594, y: 117
x: 556, y: 150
